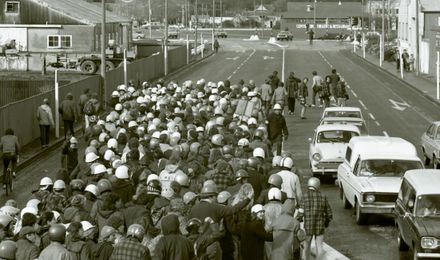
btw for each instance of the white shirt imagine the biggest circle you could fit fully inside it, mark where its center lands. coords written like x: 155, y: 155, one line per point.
x: 291, y: 185
x: 317, y: 80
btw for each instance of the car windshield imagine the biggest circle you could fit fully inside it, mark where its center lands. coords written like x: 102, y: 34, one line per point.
x: 335, y: 136
x: 361, y: 125
x: 343, y: 114
x: 387, y: 168
x: 428, y: 205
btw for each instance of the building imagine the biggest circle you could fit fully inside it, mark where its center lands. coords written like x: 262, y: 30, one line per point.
x: 68, y: 27
x: 374, y: 10
x: 429, y: 31
x: 329, y: 15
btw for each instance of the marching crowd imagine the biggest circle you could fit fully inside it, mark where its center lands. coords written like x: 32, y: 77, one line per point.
x: 173, y: 172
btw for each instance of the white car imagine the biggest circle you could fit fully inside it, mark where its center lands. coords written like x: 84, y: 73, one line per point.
x: 138, y: 35
x: 430, y: 142
x: 358, y: 122
x: 327, y: 147
x: 354, y: 112
x: 370, y: 176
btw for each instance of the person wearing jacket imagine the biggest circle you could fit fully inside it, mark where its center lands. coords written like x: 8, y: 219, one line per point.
x: 45, y: 120
x: 173, y: 245
x: 75, y: 243
x: 326, y: 91
x: 303, y: 93
x: 279, y: 95
x: 68, y: 114
x: 292, y: 91
x: 277, y: 128
x: 26, y: 248
x: 341, y: 93
x: 104, y: 249
x: 253, y: 235
x: 287, y: 234
x: 9, y: 149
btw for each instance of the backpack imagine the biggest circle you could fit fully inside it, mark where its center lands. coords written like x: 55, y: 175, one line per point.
x: 89, y: 108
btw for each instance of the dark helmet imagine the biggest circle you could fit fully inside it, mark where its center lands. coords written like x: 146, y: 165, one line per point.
x: 228, y: 149
x: 259, y: 134
x: 104, y: 185
x: 77, y: 185
x: 275, y: 180
x: 253, y: 162
x: 8, y: 248
x: 57, y: 232
x: 136, y: 231
x: 241, y: 174
x: 193, y: 224
x: 154, y: 187
x: 243, y: 163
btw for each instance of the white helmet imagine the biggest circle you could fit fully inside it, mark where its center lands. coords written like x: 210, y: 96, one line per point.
x: 59, y: 184
x: 258, y: 152
x: 91, y: 157
x: 156, y: 135
x: 131, y: 89
x: 33, y: 203
x: 115, y: 94
x: 252, y: 121
x: 46, y: 181
x: 118, y: 107
x: 73, y: 140
x: 243, y: 142
x: 108, y: 155
x: 99, y: 168
x: 112, y: 143
x: 217, y: 139
x: 276, y: 160
x: 122, y: 87
x: 274, y: 194
x: 257, y: 208
x: 152, y: 177
x: 122, y: 172
x: 102, y: 137
x: 277, y: 107
x: 92, y: 188
x: 287, y: 162
x: 182, y: 179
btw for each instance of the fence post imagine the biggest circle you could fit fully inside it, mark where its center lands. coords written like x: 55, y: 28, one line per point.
x: 57, y: 105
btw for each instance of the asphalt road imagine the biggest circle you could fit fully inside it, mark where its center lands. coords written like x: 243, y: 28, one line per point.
x: 388, y: 106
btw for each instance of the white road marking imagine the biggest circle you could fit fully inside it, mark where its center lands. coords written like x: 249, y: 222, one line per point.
x: 242, y: 63
x: 401, y: 106
x: 363, y: 105
x: 354, y: 93
x: 377, y: 123
x: 268, y: 58
x: 371, y: 115
x: 385, y: 134
x: 234, y: 58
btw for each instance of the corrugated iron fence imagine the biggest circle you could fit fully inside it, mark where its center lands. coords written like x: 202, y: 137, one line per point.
x: 21, y: 115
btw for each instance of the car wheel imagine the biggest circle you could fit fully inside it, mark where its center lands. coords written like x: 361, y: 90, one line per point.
x: 345, y: 202
x: 400, y: 242
x: 436, y: 162
x: 360, y: 217
x: 425, y: 157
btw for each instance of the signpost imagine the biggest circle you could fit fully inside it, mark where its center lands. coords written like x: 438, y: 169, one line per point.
x: 57, y: 106
x: 437, y: 46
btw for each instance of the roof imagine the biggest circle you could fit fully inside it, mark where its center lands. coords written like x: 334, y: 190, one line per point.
x: 342, y: 119
x: 340, y: 127
x: 425, y: 181
x: 81, y: 11
x: 323, y: 10
x: 261, y: 8
x: 342, y: 109
x: 430, y: 6
x: 375, y: 147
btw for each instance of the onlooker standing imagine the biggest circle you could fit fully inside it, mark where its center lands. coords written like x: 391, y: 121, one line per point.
x: 9, y: 149
x: 274, y: 80
x: 316, y: 87
x: 334, y: 79
x: 266, y: 95
x: 279, y: 96
x: 292, y: 91
x: 68, y: 113
x: 303, y: 93
x: 326, y: 91
x: 45, y: 120
x: 311, y: 34
x: 341, y: 93
x: 277, y: 128
x: 411, y: 62
x: 405, y: 58
x: 317, y: 216
x: 91, y: 110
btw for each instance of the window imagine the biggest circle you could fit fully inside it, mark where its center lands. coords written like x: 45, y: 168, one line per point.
x: 348, y: 154
x: 12, y: 7
x: 430, y: 131
x: 59, y: 41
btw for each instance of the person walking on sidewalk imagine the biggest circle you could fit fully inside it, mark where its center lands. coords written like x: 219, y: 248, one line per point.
x: 9, y: 149
x: 279, y: 96
x: 317, y: 216
x: 68, y: 114
x: 303, y: 93
x: 292, y: 91
x: 316, y: 88
x: 216, y: 45
x: 266, y: 95
x: 277, y: 129
x: 45, y: 120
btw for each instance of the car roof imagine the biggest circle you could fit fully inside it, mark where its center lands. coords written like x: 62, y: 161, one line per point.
x: 343, y: 118
x: 342, y: 109
x: 437, y: 123
x: 424, y: 181
x: 332, y: 127
x: 376, y: 147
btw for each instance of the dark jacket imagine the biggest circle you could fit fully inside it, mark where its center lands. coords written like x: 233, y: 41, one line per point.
x: 252, y: 240
x: 303, y: 92
x: 102, y: 251
x: 68, y: 110
x: 292, y: 86
x: 133, y: 212
x: 124, y: 189
x: 216, y: 211
x: 173, y: 245
x: 277, y: 126
x: 26, y: 250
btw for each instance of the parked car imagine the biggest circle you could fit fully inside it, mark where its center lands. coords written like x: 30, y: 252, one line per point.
x: 358, y: 122
x: 327, y: 147
x: 284, y: 35
x: 221, y: 34
x: 417, y: 214
x: 173, y: 33
x: 370, y: 176
x: 333, y: 36
x: 138, y: 35
x: 430, y: 142
x: 354, y: 112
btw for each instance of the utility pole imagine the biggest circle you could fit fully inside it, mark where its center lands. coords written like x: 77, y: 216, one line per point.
x: 103, y: 44
x: 314, y: 15
x: 221, y: 14
x: 213, y: 23
x: 382, y: 36
x: 417, y: 60
x: 195, y: 28
x: 149, y: 17
x: 165, y: 46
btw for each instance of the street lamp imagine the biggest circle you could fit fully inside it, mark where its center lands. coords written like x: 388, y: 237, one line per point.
x: 103, y: 88
x: 213, y: 23
x: 165, y: 47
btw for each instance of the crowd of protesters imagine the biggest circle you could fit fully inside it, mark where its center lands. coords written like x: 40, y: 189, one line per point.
x: 171, y: 171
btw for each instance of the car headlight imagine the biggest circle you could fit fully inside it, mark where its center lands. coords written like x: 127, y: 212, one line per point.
x: 369, y: 198
x: 429, y: 242
x: 316, y: 157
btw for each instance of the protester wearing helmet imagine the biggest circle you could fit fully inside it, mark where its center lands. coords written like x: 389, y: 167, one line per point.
x: 258, y: 142
x: 317, y: 216
x: 69, y: 155
x: 291, y: 183
x: 277, y: 129
x: 56, y: 200
x: 131, y: 247
x: 56, y: 249
x: 123, y: 186
x: 274, y: 181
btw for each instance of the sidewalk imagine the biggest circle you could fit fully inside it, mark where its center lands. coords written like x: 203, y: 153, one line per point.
x: 425, y: 84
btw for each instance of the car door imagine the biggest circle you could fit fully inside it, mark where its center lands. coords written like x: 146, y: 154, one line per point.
x: 400, y: 209
x: 427, y: 140
x: 352, y: 184
x: 408, y: 229
x: 312, y: 146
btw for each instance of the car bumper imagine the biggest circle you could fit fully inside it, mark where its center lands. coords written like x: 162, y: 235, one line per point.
x: 325, y: 167
x: 428, y: 255
x: 377, y: 209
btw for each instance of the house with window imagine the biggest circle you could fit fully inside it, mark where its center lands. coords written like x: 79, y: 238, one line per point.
x: 429, y: 31
x: 44, y: 28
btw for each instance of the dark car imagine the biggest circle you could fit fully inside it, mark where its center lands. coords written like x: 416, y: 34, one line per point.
x: 284, y: 35
x: 332, y: 36
x: 221, y: 34
x: 417, y: 213
x: 173, y: 33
